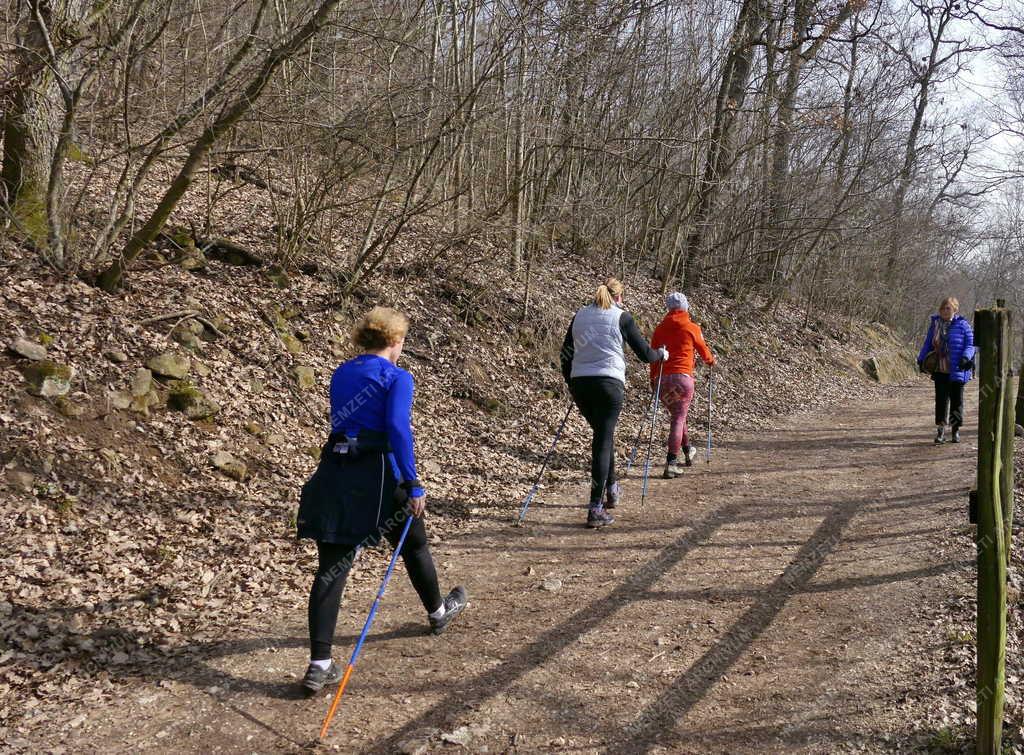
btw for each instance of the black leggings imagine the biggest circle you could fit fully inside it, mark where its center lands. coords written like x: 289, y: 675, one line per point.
x: 600, y: 401
x: 335, y: 562
x: 949, y: 401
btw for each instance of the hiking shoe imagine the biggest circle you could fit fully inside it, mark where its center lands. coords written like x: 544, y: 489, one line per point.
x: 598, y: 517
x: 454, y: 602
x: 956, y: 436
x: 672, y: 470
x: 940, y: 435
x: 317, y: 678
x: 611, y: 496
x: 689, y: 453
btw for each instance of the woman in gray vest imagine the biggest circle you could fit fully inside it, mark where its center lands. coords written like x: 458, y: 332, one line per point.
x: 594, y: 366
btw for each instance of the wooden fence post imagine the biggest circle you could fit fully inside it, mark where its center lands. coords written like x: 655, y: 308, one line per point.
x: 993, y: 337
x: 1006, y: 482
x: 1020, y: 397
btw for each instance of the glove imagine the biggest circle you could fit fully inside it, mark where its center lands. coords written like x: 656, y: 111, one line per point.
x: 664, y: 353
x: 966, y: 364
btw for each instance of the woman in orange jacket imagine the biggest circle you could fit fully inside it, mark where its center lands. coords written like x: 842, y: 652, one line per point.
x: 682, y: 337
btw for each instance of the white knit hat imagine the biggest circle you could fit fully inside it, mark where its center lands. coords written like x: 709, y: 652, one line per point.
x: 676, y: 300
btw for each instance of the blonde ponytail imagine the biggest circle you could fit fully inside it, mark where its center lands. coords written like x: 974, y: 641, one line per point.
x: 606, y: 293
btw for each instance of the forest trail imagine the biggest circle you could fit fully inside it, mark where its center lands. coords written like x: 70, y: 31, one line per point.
x: 769, y: 601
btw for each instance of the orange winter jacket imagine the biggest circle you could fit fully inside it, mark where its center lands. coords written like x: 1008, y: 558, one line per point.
x: 680, y: 335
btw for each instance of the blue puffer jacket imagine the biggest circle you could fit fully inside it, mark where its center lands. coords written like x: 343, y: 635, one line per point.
x: 960, y: 343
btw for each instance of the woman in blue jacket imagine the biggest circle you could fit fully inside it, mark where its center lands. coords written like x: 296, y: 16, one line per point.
x: 365, y: 487
x: 949, y: 347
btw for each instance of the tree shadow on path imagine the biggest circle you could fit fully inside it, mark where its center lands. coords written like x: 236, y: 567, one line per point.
x: 654, y: 725
x: 548, y: 644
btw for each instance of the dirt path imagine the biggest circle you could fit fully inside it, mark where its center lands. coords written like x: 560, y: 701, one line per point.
x: 769, y: 601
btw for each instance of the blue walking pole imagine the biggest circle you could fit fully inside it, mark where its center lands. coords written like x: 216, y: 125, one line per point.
x: 536, y: 484
x: 650, y: 442
x: 711, y: 380
x: 366, y: 628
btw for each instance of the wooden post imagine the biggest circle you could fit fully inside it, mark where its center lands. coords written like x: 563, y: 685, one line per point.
x: 991, y: 329
x: 1020, y: 397
x: 1006, y: 482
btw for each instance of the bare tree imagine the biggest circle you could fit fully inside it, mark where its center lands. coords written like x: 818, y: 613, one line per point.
x: 233, y: 111
x: 780, y: 148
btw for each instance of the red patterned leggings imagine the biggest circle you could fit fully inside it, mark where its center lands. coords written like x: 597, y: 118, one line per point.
x: 676, y: 395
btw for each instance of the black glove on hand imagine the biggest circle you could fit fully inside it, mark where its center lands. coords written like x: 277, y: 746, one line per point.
x: 966, y: 364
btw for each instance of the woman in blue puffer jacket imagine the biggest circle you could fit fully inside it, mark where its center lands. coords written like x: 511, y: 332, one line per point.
x: 951, y: 339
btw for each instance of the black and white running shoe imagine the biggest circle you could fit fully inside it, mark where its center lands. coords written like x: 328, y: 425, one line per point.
x: 454, y: 603
x: 317, y: 678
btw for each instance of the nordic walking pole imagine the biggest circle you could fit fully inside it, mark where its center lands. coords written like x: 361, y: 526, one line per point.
x: 636, y: 441
x: 540, y: 476
x: 366, y: 628
x: 650, y: 441
x: 639, y: 433
x: 711, y: 380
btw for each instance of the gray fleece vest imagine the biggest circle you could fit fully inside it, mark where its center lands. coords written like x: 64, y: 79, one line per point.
x: 597, y: 343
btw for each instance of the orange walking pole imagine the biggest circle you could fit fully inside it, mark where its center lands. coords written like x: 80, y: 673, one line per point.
x: 335, y: 701
x: 366, y: 630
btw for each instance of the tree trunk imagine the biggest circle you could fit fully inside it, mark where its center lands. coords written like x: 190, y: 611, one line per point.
x: 32, y: 125
x: 731, y: 95
x: 30, y: 141
x: 778, y: 204
x: 519, y: 152
x: 848, y: 97
x: 910, y: 154
x: 110, y: 279
x: 783, y: 137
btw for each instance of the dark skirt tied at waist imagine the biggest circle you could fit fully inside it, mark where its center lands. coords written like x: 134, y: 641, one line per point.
x: 353, y: 496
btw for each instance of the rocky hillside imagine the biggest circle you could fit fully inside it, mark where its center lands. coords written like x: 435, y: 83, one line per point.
x: 152, y: 445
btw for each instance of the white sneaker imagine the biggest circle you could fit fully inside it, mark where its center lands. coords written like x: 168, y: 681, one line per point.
x: 672, y: 470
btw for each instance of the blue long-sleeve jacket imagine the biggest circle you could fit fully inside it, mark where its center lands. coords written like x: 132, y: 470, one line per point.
x: 370, y: 393
x: 959, y: 343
